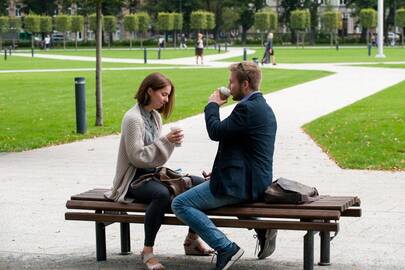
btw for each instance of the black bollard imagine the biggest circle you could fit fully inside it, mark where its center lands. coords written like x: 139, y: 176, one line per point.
x: 145, y: 56
x: 5, y: 54
x: 337, y: 46
x: 9, y: 50
x: 369, y: 49
x: 159, y: 53
x: 80, y: 95
x: 32, y: 52
x: 244, y: 54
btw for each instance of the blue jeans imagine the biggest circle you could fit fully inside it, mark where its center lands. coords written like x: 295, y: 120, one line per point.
x: 188, y: 207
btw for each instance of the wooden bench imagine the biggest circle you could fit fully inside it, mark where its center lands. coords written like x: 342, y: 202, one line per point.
x: 321, y: 216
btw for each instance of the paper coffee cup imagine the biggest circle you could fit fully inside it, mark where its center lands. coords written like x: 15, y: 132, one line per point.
x: 224, y: 92
x: 176, y: 128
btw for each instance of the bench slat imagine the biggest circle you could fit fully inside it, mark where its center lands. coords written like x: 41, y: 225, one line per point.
x: 234, y: 223
x: 340, y: 203
x: 223, y: 211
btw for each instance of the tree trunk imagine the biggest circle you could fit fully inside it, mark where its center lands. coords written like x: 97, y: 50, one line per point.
x: 297, y: 37
x: 402, y: 36
x: 261, y: 35
x: 32, y: 40
x: 303, y: 39
x: 1, y: 43
x: 368, y: 37
x: 64, y: 40
x: 76, y: 40
x: 141, y: 40
x: 331, y: 39
x: 174, y: 38
x: 130, y: 40
x: 99, y: 99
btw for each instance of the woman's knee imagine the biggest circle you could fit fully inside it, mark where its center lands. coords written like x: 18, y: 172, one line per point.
x: 177, y: 203
x: 162, y: 196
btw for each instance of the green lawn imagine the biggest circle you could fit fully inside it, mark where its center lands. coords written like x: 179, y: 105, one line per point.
x: 21, y: 63
x: 328, y: 55
x: 370, y: 134
x: 152, y: 53
x: 37, y: 109
x: 386, y: 65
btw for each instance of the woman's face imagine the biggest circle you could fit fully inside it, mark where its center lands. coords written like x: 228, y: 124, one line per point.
x: 159, y: 97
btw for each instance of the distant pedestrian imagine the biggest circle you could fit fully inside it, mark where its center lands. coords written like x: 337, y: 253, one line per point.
x: 183, y: 41
x: 199, y: 48
x: 269, y: 51
x: 47, y: 42
x: 161, y: 42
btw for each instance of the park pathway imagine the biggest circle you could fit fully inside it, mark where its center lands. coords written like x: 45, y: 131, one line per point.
x: 37, y: 183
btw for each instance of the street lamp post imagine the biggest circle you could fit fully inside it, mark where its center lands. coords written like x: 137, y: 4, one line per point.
x: 380, y: 40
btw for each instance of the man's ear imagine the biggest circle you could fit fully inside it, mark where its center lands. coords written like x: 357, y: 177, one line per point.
x: 245, y: 86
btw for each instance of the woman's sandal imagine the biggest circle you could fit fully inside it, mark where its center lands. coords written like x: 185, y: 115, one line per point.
x: 196, y: 247
x: 146, y: 258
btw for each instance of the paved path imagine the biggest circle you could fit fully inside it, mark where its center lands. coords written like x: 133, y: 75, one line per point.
x: 36, y: 184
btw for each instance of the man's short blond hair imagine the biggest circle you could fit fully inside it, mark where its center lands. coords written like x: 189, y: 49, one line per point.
x: 247, y: 71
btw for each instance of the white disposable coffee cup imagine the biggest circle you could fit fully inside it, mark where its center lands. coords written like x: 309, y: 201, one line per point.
x: 176, y: 128
x: 224, y: 92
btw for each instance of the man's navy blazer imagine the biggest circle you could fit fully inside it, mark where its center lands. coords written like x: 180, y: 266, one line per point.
x: 243, y: 166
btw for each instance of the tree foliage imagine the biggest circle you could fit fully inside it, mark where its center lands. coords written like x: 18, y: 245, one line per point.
x: 368, y: 18
x: 46, y: 24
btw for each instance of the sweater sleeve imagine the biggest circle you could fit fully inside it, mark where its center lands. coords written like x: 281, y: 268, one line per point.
x: 141, y: 156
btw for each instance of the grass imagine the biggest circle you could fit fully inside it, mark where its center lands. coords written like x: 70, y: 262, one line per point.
x: 37, y: 109
x: 328, y: 55
x: 369, y: 134
x: 386, y: 65
x: 23, y: 63
x: 152, y: 53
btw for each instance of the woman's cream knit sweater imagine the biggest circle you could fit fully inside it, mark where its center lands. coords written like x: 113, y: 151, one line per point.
x: 133, y: 153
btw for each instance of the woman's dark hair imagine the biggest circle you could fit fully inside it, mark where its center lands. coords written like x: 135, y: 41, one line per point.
x: 156, y: 81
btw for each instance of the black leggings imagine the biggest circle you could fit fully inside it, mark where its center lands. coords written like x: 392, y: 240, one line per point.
x: 157, y: 196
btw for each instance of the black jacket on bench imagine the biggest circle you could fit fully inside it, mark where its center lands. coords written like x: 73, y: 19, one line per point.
x: 243, y: 166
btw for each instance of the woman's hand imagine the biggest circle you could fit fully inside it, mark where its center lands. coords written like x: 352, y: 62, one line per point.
x: 175, y: 136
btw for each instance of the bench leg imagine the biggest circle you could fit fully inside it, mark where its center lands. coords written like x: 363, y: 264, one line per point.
x: 325, y: 249
x: 125, y: 239
x: 309, y: 250
x: 100, y: 242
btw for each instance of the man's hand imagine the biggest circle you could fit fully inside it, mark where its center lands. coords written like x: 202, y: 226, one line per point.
x: 206, y: 175
x: 216, y: 98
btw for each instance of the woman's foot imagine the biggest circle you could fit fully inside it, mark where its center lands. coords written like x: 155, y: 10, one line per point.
x: 193, y: 245
x: 151, y: 262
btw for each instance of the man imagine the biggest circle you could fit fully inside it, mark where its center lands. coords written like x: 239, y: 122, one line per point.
x: 269, y: 51
x: 243, y: 165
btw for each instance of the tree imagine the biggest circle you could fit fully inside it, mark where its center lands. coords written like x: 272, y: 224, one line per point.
x: 165, y: 22
x: 400, y: 22
x: 368, y: 20
x: 198, y: 20
x: 32, y: 24
x: 177, y: 24
x: 131, y: 25
x: 331, y: 22
x: 46, y: 24
x: 3, y: 7
x: 300, y: 21
x: 4, y: 26
x: 44, y: 7
x: 77, y: 26
x: 210, y: 17
x: 110, y: 26
x: 143, y: 24
x: 14, y: 26
x: 230, y: 17
x: 262, y: 23
x: 63, y: 23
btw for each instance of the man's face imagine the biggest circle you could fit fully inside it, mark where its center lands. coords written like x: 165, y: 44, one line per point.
x: 235, y: 88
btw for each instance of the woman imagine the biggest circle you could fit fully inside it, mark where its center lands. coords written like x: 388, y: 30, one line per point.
x: 142, y: 148
x: 199, y: 48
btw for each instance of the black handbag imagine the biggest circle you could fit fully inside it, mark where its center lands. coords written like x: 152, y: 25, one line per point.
x: 290, y: 192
